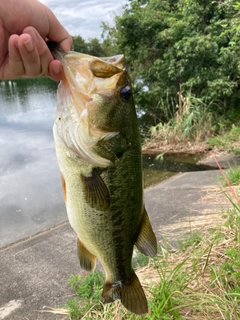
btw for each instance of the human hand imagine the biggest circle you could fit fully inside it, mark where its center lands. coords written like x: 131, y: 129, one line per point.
x: 23, y: 50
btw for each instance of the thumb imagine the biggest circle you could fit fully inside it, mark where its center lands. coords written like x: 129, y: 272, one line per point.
x: 58, y: 33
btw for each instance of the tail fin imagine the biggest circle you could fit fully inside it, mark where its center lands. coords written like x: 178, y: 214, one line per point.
x: 130, y: 293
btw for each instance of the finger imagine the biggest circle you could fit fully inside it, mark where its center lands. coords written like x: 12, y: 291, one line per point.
x: 66, y: 44
x: 3, y: 44
x: 43, y: 53
x: 56, y: 70
x: 49, y: 66
x: 29, y: 55
x: 13, y: 66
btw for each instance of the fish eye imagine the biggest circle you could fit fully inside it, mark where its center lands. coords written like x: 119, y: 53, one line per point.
x: 126, y: 93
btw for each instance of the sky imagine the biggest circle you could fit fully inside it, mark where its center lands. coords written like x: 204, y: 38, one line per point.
x: 84, y: 17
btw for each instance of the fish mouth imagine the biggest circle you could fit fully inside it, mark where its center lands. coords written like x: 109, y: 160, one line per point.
x: 59, y: 54
x: 85, y: 73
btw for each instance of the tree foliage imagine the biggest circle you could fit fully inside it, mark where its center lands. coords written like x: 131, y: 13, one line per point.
x: 93, y: 46
x: 180, y: 46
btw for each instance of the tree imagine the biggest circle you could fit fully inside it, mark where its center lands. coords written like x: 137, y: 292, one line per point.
x: 79, y: 44
x: 94, y: 48
x: 182, y: 45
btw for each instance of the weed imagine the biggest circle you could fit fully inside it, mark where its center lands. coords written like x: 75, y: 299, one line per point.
x: 139, y: 260
x: 189, y: 126
x: 189, y: 122
x: 233, y: 176
x: 193, y: 239
x: 165, y: 295
x: 74, y: 309
x: 88, y: 289
x: 227, y: 141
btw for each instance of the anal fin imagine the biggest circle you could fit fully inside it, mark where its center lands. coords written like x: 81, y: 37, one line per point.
x: 95, y: 191
x: 130, y: 293
x: 146, y: 241
x: 86, y: 259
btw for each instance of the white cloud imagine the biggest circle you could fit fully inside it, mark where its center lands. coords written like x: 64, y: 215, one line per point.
x: 84, y: 17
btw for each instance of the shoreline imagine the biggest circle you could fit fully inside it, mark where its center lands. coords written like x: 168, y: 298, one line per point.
x: 181, y: 147
x: 184, y: 149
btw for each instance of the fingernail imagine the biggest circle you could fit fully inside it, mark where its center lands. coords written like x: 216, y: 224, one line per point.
x: 28, y: 45
x: 35, y: 37
x: 56, y: 68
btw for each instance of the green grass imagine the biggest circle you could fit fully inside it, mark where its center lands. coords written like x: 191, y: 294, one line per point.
x: 233, y: 176
x: 186, y: 129
x: 192, y: 127
x: 189, y: 122
x: 228, y: 141
x: 88, y: 289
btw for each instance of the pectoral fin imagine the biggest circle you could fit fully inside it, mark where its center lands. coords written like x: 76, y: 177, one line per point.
x: 95, y: 191
x: 146, y: 241
x: 86, y: 259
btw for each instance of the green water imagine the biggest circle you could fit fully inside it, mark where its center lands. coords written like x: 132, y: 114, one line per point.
x: 157, y: 170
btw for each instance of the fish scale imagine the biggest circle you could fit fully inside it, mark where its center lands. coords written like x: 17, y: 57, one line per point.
x: 99, y: 155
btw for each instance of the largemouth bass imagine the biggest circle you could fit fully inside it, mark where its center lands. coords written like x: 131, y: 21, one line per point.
x: 99, y: 155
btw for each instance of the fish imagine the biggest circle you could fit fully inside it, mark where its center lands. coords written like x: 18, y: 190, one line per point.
x: 98, y: 150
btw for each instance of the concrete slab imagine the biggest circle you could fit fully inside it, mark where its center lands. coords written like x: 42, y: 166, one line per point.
x: 179, y: 200
x: 225, y: 161
x: 35, y: 272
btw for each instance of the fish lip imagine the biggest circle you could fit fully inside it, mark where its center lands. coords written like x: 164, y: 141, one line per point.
x: 60, y: 54
x: 57, y: 52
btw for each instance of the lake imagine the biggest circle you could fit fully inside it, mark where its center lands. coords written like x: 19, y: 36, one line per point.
x: 30, y: 187
x: 31, y: 198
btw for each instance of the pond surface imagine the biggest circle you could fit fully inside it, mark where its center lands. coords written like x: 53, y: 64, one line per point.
x: 30, y: 196
x: 30, y: 188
